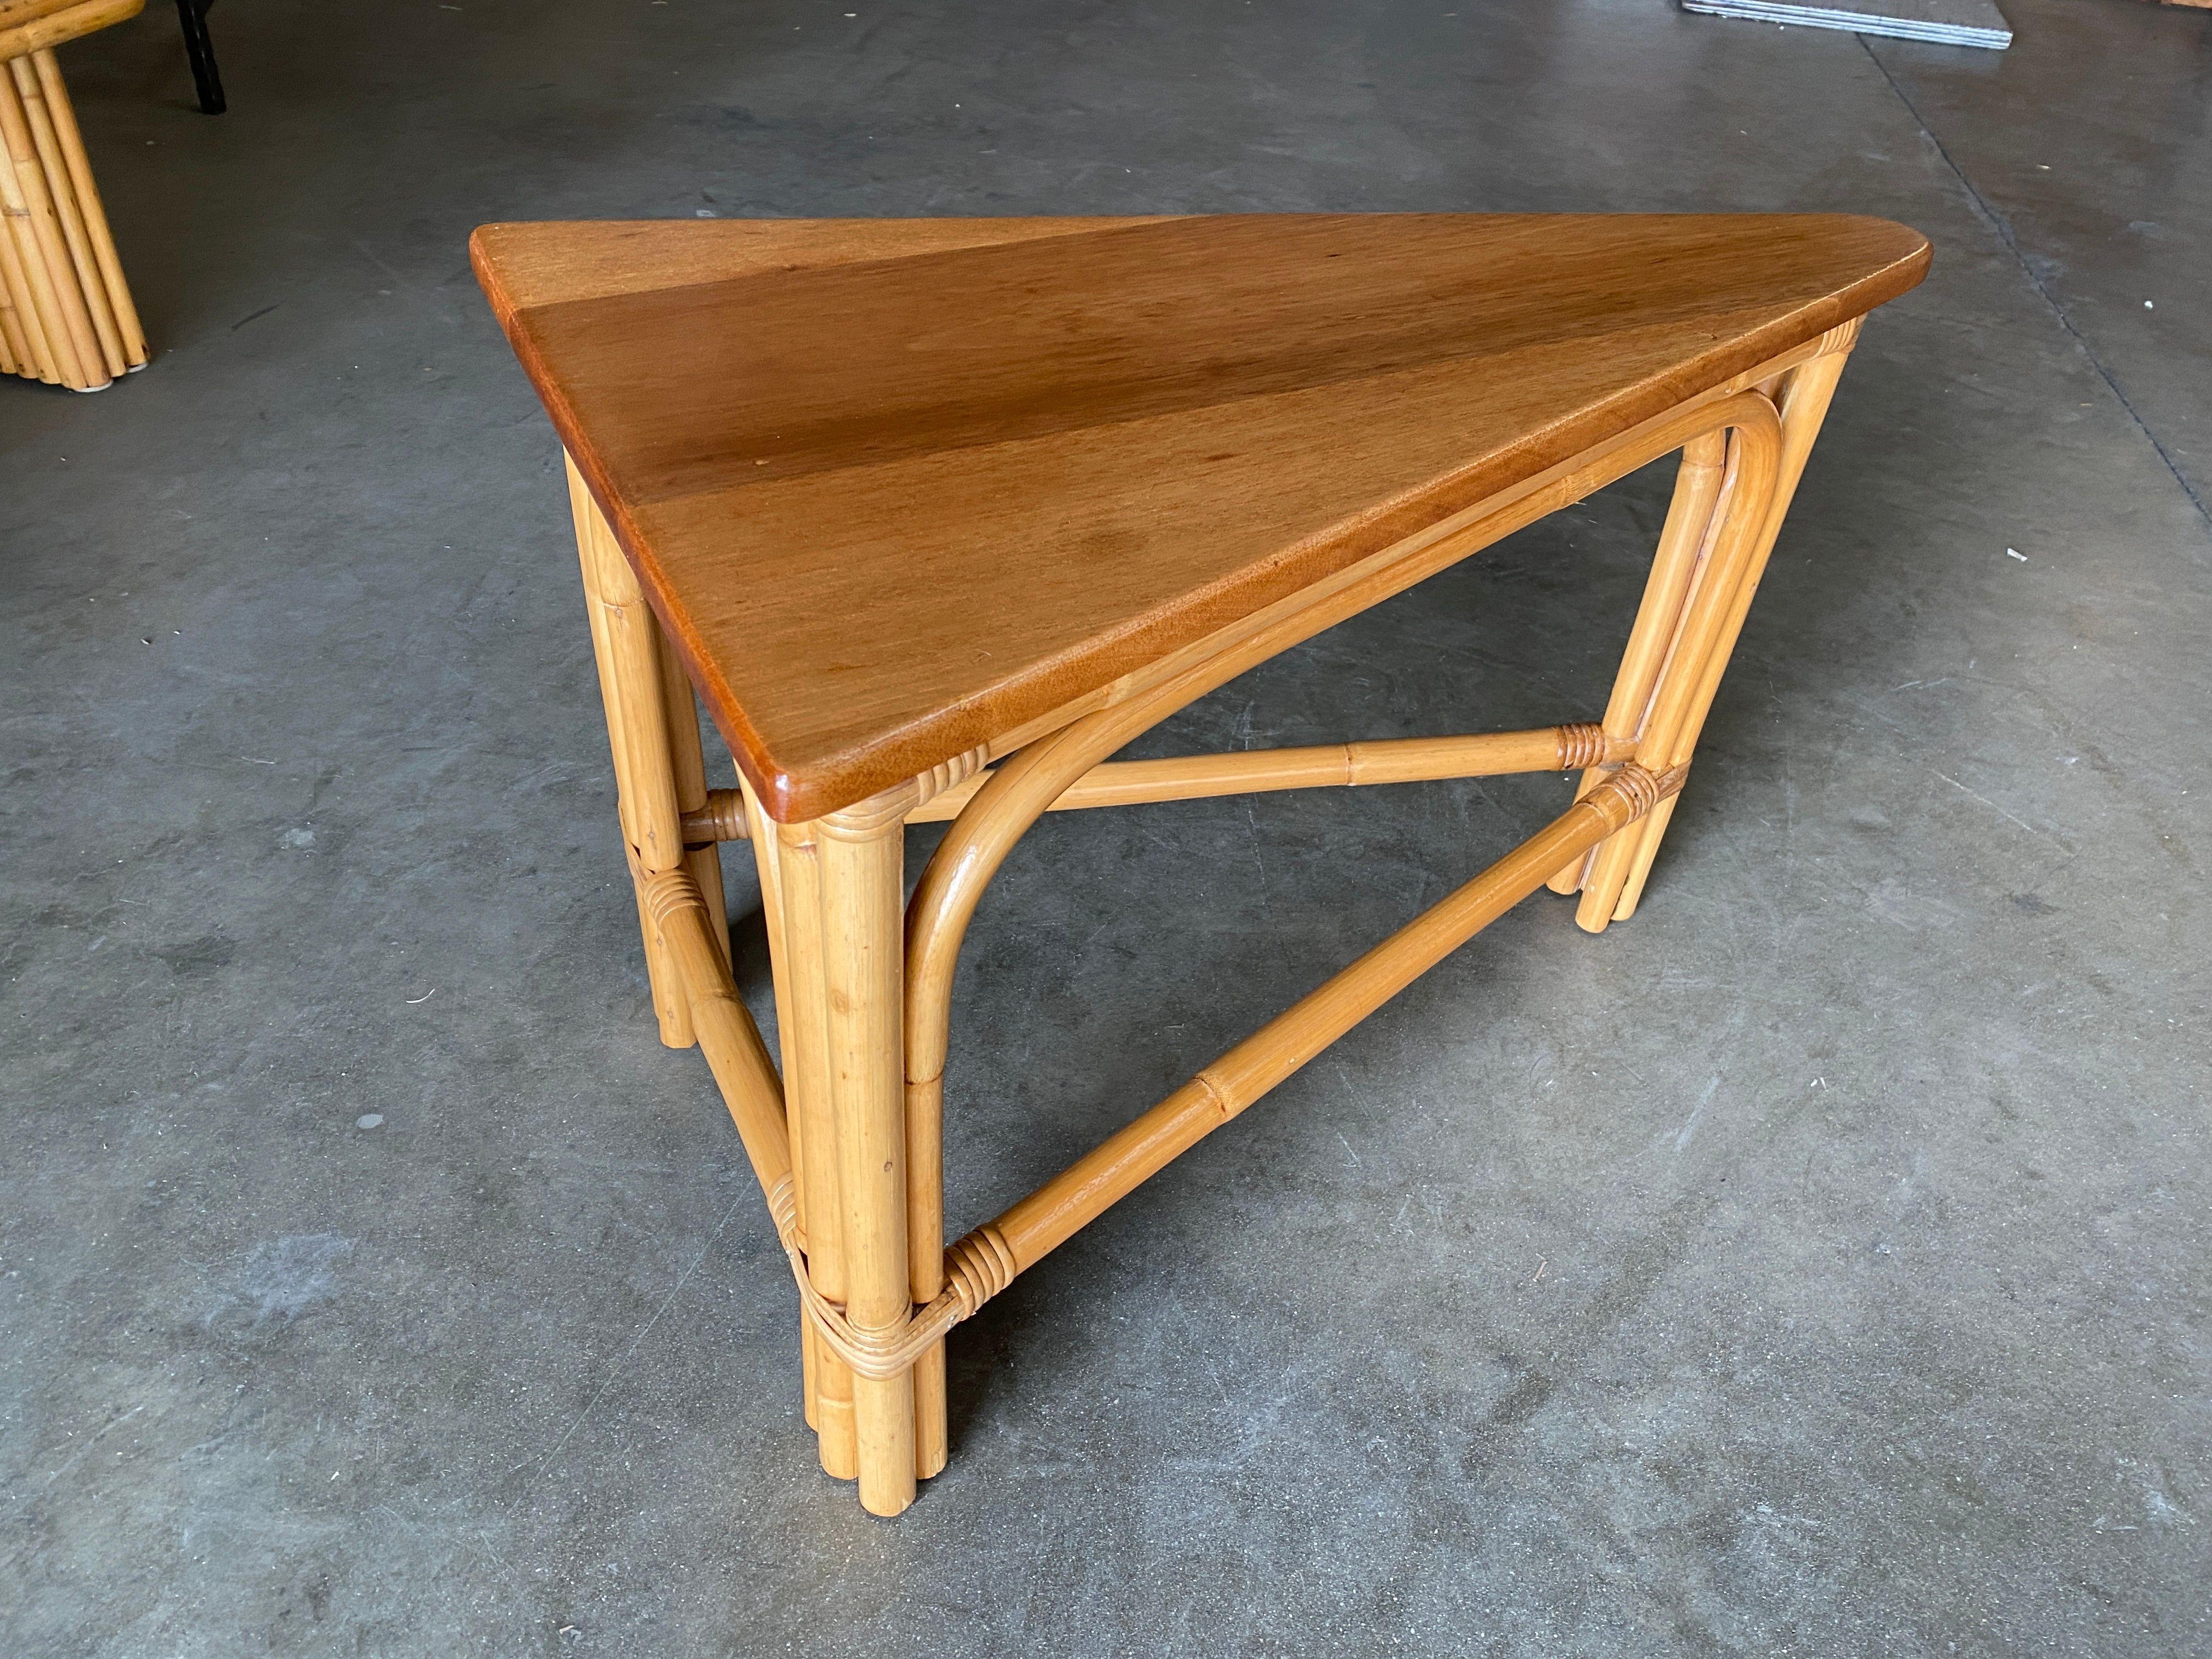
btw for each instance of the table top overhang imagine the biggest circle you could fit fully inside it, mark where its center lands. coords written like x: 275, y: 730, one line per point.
x: 898, y: 487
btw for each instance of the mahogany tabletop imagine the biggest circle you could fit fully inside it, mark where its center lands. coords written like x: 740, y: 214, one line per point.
x: 897, y: 487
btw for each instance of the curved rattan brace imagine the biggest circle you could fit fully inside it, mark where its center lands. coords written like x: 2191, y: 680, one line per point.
x: 1023, y: 788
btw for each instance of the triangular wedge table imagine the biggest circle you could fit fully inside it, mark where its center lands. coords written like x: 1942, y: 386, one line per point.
x: 937, y: 515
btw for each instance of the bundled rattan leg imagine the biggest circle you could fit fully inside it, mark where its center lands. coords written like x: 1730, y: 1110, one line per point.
x: 1683, y: 543
x: 861, y: 855
x: 626, y: 639
x: 769, y: 863
x: 66, y: 316
x: 700, y: 861
x: 654, y: 734
x: 1660, y: 654
x: 790, y: 858
x: 1806, y: 393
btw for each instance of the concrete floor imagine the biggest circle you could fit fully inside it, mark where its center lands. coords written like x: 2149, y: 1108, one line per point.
x: 1816, y: 1265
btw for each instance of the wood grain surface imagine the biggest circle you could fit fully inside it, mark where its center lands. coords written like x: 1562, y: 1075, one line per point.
x: 896, y: 488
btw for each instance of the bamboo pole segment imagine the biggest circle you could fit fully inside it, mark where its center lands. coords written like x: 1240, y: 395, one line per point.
x: 625, y: 640
x: 69, y: 322
x: 44, y: 363
x: 689, y: 767
x: 1647, y: 840
x: 16, y: 356
x: 924, y: 1100
x: 1047, y: 1218
x: 47, y: 139
x: 1257, y: 771
x: 924, y: 1103
x: 1808, y: 389
x: 861, y: 852
x: 775, y: 921
x: 774, y: 918
x: 809, y: 1367
x: 806, y: 1085
x: 729, y: 1040
x: 27, y: 359
x: 39, y: 361
x: 15, y: 12
x: 1336, y: 765
x: 924, y: 1117
x: 1683, y: 542
x: 39, y: 248
x: 91, y: 210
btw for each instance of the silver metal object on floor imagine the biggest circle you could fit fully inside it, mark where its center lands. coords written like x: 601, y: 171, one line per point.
x: 1945, y: 23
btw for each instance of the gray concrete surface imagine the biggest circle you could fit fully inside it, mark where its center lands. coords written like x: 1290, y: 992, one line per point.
x: 1816, y: 1265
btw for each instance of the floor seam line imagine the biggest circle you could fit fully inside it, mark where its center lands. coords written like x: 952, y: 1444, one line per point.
x: 1998, y: 223
x: 630, y: 1352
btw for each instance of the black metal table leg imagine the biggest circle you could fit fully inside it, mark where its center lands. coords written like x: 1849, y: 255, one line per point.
x: 192, y: 14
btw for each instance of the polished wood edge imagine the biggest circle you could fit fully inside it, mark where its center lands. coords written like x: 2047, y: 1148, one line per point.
x: 520, y: 291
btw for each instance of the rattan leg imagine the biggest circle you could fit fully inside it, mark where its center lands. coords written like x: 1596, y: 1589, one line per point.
x: 704, y: 863
x: 1683, y: 543
x: 626, y: 639
x: 1618, y: 868
x: 767, y: 851
x: 797, y: 877
x: 71, y: 353
x: 77, y: 173
x: 861, y: 853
